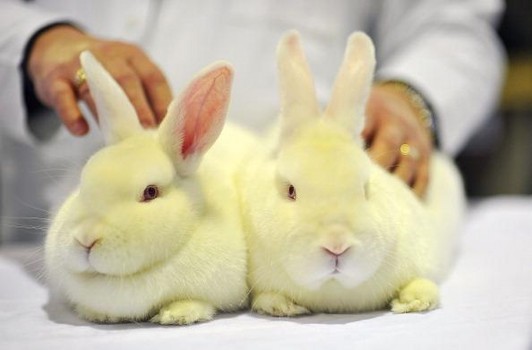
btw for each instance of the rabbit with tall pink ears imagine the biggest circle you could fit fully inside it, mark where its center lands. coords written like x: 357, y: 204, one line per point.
x: 328, y: 229
x: 153, y: 231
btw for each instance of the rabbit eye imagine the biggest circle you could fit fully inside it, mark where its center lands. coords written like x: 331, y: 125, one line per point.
x: 292, y: 192
x: 150, y: 192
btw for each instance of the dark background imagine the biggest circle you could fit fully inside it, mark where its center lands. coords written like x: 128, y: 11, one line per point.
x: 499, y: 159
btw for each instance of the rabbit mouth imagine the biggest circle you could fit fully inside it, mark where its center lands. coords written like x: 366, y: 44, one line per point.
x: 336, y: 268
x: 347, y: 271
x: 95, y: 257
x: 336, y: 272
x: 318, y: 274
x: 337, y: 258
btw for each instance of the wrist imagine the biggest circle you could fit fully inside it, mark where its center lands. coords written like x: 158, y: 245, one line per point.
x: 420, y: 106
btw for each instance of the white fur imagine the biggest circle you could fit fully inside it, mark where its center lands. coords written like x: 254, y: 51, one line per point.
x: 175, y: 259
x: 398, y: 246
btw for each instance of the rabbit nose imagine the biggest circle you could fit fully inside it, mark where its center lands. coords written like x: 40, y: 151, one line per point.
x: 88, y: 243
x: 337, y: 250
x: 337, y: 239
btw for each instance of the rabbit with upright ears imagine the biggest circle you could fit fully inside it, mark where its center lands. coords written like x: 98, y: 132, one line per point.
x: 153, y: 230
x: 328, y: 229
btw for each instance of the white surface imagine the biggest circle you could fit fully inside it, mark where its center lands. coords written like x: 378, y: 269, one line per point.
x: 487, y: 304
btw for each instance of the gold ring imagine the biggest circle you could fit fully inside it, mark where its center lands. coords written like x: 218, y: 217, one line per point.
x: 80, y: 77
x: 408, y: 151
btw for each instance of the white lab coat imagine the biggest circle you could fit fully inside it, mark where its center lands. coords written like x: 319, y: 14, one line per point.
x: 446, y: 48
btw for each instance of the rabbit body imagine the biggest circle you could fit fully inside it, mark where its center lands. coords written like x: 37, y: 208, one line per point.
x: 153, y: 231
x: 328, y: 229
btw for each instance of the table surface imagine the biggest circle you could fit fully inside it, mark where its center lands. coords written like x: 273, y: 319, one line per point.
x: 486, y: 304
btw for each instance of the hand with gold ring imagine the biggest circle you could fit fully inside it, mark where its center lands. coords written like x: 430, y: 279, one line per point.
x: 397, y: 138
x: 54, y: 68
x: 409, y: 151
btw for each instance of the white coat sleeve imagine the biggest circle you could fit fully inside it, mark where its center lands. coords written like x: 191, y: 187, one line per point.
x: 449, y: 51
x: 18, y: 22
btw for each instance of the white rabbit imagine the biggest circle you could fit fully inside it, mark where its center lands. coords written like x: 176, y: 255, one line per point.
x: 151, y: 232
x: 328, y: 229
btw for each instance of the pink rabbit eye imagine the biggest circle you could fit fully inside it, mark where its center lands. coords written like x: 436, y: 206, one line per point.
x: 292, y: 192
x: 150, y: 192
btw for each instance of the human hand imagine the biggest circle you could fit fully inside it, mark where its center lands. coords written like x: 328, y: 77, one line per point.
x: 54, y: 61
x: 392, y: 121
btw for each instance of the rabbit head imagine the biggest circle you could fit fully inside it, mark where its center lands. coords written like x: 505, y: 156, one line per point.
x: 139, y: 199
x: 322, y: 223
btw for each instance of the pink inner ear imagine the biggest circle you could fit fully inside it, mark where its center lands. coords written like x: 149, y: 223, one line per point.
x: 205, y: 104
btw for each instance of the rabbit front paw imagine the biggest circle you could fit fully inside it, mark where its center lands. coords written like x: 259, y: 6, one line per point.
x: 184, y: 313
x: 418, y: 295
x: 275, y: 304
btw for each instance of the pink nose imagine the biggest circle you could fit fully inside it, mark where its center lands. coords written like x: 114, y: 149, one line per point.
x: 87, y: 244
x: 336, y: 251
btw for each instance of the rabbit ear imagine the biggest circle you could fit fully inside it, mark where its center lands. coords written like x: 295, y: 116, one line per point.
x: 353, y: 82
x: 196, y: 118
x: 298, y: 96
x: 116, y: 115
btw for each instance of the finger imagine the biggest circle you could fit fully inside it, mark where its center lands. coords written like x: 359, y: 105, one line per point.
x: 155, y: 85
x: 130, y: 82
x: 422, y: 179
x: 385, y: 147
x: 406, y: 169
x: 85, y: 96
x: 374, y: 113
x: 369, y: 128
x: 64, y: 102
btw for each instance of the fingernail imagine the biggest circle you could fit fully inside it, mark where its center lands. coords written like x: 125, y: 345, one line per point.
x: 147, y: 124
x: 78, y: 128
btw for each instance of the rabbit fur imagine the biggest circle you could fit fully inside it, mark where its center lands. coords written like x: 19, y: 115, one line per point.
x: 118, y: 256
x: 328, y: 229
